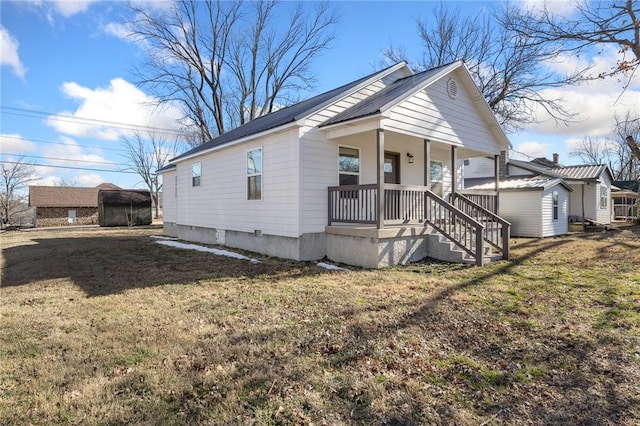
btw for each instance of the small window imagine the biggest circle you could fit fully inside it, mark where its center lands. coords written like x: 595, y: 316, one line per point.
x: 603, y: 197
x: 254, y: 174
x: 349, y: 166
x: 436, y: 171
x: 196, y: 174
x: 71, y: 216
x: 556, y: 200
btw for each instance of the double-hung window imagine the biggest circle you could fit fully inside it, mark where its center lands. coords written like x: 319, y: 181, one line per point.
x: 555, y: 203
x: 603, y: 197
x: 196, y: 174
x: 254, y: 174
x: 349, y: 166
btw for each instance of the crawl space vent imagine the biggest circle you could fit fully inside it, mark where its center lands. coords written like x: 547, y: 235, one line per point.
x: 452, y: 88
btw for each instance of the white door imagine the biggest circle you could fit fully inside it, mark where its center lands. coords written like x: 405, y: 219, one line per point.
x: 72, y: 216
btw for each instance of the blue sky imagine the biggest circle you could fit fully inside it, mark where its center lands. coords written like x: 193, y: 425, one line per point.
x: 63, y: 59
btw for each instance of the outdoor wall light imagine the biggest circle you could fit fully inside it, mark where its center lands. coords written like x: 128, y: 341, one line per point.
x: 410, y: 157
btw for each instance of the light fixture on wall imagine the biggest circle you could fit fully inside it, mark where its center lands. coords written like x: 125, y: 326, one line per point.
x: 410, y: 157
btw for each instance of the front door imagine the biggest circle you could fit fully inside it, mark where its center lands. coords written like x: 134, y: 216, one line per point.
x: 392, y: 175
x: 391, y: 167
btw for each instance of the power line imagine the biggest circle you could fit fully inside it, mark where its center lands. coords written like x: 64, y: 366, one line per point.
x: 64, y: 159
x: 82, y: 120
x: 62, y: 143
x: 70, y: 167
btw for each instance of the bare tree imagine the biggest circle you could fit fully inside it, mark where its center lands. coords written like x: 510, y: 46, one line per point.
x: 148, y: 153
x: 66, y: 182
x: 507, y: 67
x: 594, y: 24
x: 229, y: 62
x: 614, y: 150
x: 15, y: 177
x: 593, y: 151
x: 627, y: 132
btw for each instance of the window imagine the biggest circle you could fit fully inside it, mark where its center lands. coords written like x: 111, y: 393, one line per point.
x: 436, y: 171
x: 254, y: 174
x: 71, y: 216
x: 196, y: 174
x: 555, y: 203
x: 349, y: 166
x: 603, y: 197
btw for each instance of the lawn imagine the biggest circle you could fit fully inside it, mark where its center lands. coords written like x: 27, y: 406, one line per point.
x: 105, y: 326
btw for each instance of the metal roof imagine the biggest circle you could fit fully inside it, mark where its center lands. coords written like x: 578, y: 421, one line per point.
x: 535, y: 183
x: 377, y: 102
x: 581, y: 172
x: 285, y: 115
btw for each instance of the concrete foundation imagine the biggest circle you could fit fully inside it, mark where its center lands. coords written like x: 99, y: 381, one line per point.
x: 306, y: 247
x: 377, y: 248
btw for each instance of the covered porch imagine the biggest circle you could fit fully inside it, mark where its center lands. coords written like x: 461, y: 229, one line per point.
x: 405, y: 216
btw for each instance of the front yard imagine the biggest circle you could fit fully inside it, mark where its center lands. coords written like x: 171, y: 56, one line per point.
x: 105, y: 326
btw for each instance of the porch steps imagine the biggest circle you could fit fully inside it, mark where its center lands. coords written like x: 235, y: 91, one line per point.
x: 441, y: 248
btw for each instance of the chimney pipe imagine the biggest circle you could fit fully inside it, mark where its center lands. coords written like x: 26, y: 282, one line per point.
x: 556, y: 159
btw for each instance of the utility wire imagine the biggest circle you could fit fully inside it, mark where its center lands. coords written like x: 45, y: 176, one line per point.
x: 82, y: 120
x: 70, y: 167
x: 64, y: 159
x: 19, y: 138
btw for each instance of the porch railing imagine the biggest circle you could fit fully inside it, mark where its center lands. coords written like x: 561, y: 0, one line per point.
x: 496, y: 230
x: 485, y: 199
x: 405, y: 204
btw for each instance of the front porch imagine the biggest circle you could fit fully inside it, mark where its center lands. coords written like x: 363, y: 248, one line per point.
x: 409, y: 223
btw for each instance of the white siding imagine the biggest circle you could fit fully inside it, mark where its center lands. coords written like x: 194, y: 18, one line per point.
x: 604, y: 213
x: 320, y: 167
x: 560, y: 226
x: 221, y: 201
x: 432, y: 114
x: 168, y: 197
x: 523, y: 210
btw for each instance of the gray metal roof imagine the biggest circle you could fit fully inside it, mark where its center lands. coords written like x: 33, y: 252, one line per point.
x: 283, y: 116
x: 514, y: 184
x: 376, y: 103
x: 581, y: 172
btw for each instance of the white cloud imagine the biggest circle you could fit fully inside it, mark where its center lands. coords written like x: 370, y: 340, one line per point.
x: 12, y: 143
x: 595, y: 102
x: 70, y: 154
x: 557, y: 7
x: 531, y: 149
x: 108, y: 113
x: 118, y: 29
x: 68, y: 8
x: 9, y: 53
x: 89, y: 179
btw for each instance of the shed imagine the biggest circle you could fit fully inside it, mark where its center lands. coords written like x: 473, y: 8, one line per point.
x: 124, y: 207
x: 535, y: 207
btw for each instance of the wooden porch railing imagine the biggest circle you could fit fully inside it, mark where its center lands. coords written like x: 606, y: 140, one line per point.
x: 496, y: 230
x: 485, y: 199
x: 405, y: 204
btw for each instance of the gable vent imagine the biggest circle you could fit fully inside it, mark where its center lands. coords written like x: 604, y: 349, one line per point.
x: 452, y: 88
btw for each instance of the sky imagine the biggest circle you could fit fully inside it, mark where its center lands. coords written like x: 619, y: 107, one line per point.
x: 67, y: 94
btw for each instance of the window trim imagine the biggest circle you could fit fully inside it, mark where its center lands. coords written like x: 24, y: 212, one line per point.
x: 431, y: 163
x: 253, y: 175
x: 340, y: 172
x: 555, y: 204
x: 604, y: 195
x: 198, y: 176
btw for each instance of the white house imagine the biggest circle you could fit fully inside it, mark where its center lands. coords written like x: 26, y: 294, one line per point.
x: 589, y: 196
x: 363, y: 174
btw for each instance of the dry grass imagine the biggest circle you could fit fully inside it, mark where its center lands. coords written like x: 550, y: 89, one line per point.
x: 107, y: 327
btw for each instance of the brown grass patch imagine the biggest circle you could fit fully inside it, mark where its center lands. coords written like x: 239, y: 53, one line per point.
x: 104, y: 326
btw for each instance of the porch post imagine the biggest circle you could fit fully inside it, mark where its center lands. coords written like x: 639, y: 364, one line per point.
x: 496, y: 174
x: 454, y: 172
x: 427, y: 163
x: 380, y: 176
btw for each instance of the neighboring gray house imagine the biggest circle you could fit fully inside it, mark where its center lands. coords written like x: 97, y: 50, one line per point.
x: 366, y: 174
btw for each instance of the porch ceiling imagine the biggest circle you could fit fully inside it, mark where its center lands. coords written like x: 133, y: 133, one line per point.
x: 344, y: 131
